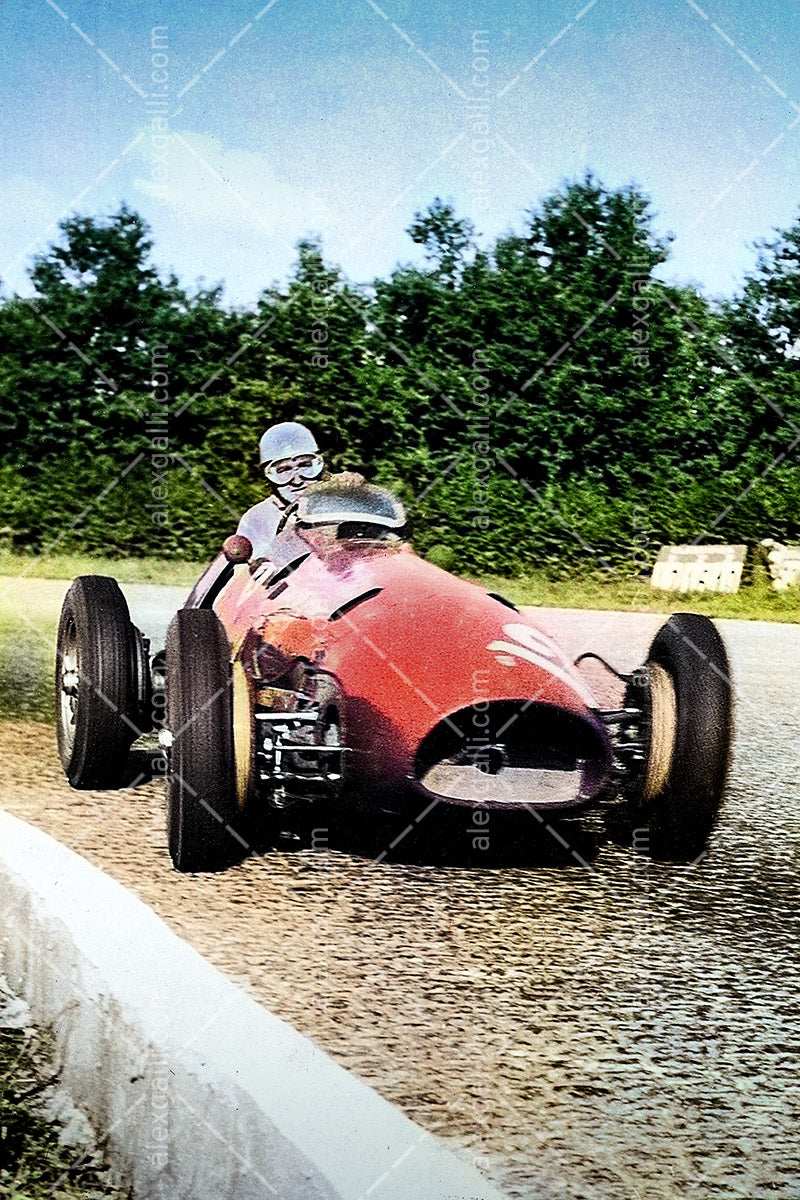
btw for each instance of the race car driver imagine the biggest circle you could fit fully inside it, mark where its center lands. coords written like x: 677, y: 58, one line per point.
x: 291, y: 461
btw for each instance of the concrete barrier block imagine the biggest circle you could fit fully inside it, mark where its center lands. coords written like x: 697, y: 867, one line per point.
x: 784, y: 563
x: 699, y: 568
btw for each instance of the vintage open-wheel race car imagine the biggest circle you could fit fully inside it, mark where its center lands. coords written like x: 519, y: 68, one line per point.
x: 347, y: 671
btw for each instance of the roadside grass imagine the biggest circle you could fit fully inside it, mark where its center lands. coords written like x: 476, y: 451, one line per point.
x: 754, y: 602
x: 29, y: 611
x: 33, y: 1164
x: 31, y: 592
x: 126, y: 570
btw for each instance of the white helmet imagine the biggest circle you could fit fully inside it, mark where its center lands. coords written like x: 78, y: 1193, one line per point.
x: 286, y: 440
x: 290, y: 459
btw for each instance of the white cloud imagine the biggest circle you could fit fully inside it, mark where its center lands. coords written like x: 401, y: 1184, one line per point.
x: 226, y: 190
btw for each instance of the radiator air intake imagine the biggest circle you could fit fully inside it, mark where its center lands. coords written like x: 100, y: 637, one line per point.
x: 505, y: 753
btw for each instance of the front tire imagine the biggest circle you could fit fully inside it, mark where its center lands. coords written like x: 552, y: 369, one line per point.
x: 202, y: 811
x: 687, y: 678
x: 96, y: 683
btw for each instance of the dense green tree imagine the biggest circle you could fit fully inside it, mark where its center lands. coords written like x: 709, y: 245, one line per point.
x: 764, y: 320
x: 566, y: 359
x: 316, y: 346
x: 547, y: 400
x: 83, y: 362
x: 447, y: 239
x: 762, y: 340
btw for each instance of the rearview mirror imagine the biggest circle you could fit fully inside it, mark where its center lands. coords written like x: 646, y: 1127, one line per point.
x: 237, y: 548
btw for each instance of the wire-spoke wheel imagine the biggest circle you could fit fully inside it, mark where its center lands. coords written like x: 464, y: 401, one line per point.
x: 97, y: 683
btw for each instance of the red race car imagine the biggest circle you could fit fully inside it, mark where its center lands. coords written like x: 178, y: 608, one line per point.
x: 345, y: 669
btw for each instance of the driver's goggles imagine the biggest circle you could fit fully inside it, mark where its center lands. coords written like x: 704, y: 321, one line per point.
x: 306, y: 466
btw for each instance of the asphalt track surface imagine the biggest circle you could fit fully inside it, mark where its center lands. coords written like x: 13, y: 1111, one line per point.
x: 582, y: 1021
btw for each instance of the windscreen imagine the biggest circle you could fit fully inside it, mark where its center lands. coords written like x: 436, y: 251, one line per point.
x: 338, y: 504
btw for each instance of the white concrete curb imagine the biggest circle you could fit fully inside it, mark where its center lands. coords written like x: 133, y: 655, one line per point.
x: 204, y: 1095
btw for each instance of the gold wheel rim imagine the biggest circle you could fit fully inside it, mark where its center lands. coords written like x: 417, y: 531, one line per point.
x: 663, y: 727
x: 242, y: 735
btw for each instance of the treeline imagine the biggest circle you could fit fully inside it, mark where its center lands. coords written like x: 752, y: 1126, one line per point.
x: 546, y: 402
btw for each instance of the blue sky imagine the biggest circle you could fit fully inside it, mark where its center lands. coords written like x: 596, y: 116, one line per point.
x: 344, y: 117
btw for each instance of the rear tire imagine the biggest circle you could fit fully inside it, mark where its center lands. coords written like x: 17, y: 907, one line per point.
x: 202, y: 811
x: 689, y: 692
x: 97, y: 684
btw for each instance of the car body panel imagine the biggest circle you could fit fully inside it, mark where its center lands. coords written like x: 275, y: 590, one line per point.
x: 410, y: 645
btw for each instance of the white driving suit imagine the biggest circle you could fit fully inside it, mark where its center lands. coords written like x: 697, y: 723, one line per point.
x: 260, y: 524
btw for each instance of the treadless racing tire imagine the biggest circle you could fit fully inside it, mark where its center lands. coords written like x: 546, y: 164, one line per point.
x: 202, y: 811
x: 96, y: 683
x: 689, y: 746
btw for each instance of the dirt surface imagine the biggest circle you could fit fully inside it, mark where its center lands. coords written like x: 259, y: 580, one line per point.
x: 579, y: 1019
